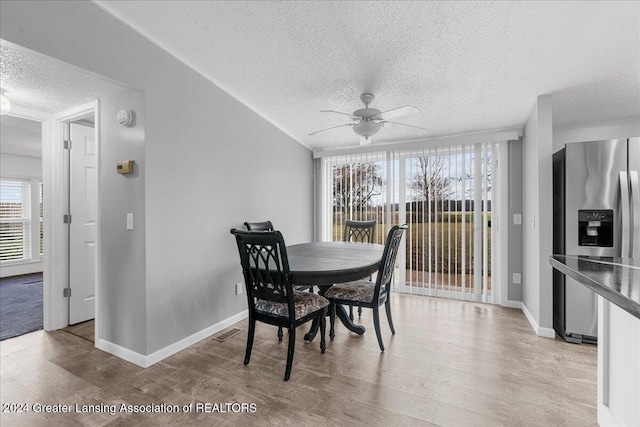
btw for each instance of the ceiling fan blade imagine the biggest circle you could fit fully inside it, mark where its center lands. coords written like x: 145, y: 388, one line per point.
x: 327, y: 130
x: 365, y: 140
x: 416, y: 130
x: 397, y: 112
x: 344, y: 114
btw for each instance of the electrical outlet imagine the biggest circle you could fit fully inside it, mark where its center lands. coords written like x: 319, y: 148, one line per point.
x: 238, y: 288
x: 517, y: 278
x: 517, y: 219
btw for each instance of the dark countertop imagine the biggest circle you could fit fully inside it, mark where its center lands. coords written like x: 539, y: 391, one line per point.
x: 615, y: 279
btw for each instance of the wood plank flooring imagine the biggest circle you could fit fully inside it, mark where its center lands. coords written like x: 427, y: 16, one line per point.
x: 84, y: 330
x: 451, y: 363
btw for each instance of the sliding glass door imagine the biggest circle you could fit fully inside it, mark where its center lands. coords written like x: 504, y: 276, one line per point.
x: 447, y: 203
x: 445, y: 194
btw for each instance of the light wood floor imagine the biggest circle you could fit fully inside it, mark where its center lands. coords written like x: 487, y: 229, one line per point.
x: 450, y: 363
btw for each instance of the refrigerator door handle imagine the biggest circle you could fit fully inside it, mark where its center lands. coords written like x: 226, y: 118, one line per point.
x: 625, y: 210
x: 635, y: 200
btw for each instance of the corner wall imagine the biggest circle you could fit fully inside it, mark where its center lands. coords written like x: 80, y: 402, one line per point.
x: 538, y: 217
x: 122, y: 251
x: 514, y: 290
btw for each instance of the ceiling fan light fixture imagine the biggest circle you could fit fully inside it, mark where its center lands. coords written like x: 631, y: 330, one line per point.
x: 366, y: 128
x: 5, y: 105
x: 368, y: 121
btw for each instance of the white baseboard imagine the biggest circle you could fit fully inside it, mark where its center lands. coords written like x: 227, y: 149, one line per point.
x: 606, y: 416
x: 163, y: 353
x: 512, y: 304
x: 172, y: 349
x: 541, y: 332
x: 122, y: 353
x: 547, y: 333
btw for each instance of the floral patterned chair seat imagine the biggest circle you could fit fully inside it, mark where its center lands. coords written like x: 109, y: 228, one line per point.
x: 304, y: 303
x: 361, y: 291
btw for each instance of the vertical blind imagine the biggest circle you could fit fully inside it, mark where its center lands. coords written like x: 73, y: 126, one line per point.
x: 444, y: 194
x: 15, y: 219
x: 357, y: 190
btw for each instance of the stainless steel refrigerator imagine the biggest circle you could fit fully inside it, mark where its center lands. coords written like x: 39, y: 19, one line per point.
x: 596, y: 211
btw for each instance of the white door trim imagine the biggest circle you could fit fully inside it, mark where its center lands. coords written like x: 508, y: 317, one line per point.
x: 56, y: 237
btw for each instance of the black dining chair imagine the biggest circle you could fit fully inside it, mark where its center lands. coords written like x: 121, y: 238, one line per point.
x: 270, y: 294
x: 359, y: 231
x: 268, y: 226
x: 367, y: 294
x: 259, y: 226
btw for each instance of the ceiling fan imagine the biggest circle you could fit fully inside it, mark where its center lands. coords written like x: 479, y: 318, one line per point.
x: 368, y: 121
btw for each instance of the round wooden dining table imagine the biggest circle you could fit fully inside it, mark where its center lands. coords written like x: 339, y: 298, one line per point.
x: 325, y: 263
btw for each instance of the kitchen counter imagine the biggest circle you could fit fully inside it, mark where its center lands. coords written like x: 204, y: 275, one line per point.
x: 615, y: 279
x: 617, y: 282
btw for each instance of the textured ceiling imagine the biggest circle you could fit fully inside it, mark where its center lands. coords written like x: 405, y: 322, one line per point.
x: 35, y: 83
x: 468, y: 66
x: 20, y: 137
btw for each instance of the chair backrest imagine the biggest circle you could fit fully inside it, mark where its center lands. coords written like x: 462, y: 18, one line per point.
x: 259, y: 226
x: 265, y: 266
x: 359, y: 231
x: 388, y: 262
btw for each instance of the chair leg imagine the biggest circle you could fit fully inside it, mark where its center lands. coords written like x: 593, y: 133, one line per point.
x: 323, y: 327
x: 250, y: 333
x: 351, y: 312
x: 332, y: 319
x: 279, y: 333
x: 359, y: 311
x: 292, y: 346
x: 387, y: 307
x: 376, y: 325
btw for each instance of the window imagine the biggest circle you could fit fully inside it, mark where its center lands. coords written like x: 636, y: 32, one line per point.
x: 445, y: 195
x: 358, y: 192
x: 15, y: 220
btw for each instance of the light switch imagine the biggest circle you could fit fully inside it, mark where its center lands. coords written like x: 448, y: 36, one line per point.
x: 517, y: 278
x: 517, y: 219
x: 129, y: 221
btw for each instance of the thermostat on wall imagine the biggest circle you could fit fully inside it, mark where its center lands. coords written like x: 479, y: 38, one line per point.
x: 125, y: 167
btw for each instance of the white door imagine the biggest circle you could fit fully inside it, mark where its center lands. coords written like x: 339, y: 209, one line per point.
x: 83, y: 230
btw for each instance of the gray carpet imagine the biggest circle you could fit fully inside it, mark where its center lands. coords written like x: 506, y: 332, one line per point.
x: 20, y: 305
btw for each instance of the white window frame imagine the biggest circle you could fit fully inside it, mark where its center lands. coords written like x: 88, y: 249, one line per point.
x: 32, y: 254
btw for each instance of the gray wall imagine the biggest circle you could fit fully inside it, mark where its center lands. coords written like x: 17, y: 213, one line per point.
x: 514, y: 291
x: 210, y: 163
x: 538, y: 212
x: 122, y: 312
x: 530, y: 278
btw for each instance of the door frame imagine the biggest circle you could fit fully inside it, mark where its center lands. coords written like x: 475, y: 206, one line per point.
x: 56, y: 236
